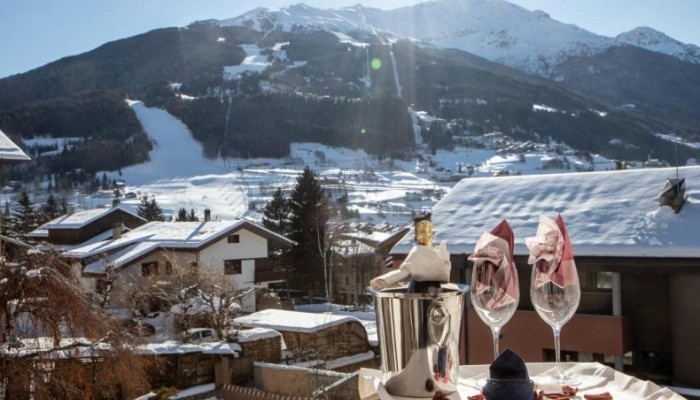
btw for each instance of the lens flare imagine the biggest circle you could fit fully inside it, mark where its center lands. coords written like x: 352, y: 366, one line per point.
x: 376, y: 63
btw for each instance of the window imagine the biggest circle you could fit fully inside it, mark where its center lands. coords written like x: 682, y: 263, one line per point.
x: 604, y: 280
x: 168, y: 268
x: 232, y: 267
x: 149, y: 268
x: 596, y: 281
x: 234, y: 239
x: 100, y: 286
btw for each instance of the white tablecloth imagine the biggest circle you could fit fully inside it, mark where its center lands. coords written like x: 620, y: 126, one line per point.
x: 595, y: 377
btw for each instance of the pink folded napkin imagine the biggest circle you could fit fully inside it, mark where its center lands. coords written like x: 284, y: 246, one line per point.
x: 495, y: 250
x: 551, y: 253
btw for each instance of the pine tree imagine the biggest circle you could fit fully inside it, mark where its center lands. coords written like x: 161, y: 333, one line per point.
x: 142, y: 210
x: 155, y: 211
x: 149, y: 209
x: 24, y: 215
x: 181, y: 215
x: 50, y: 209
x: 192, y: 217
x: 309, y: 215
x: 277, y: 214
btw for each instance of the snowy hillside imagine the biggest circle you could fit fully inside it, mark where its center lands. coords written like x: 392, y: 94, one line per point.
x: 659, y: 42
x: 391, y: 191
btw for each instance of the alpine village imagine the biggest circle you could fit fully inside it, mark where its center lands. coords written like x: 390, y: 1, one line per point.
x: 199, y: 212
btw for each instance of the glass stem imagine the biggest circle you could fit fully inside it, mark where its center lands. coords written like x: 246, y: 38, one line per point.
x: 496, y: 333
x: 557, y: 349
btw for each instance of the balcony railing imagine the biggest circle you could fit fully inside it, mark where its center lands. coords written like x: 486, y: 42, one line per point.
x: 270, y: 274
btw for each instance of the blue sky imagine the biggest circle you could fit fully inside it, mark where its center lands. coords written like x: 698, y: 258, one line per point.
x: 35, y: 32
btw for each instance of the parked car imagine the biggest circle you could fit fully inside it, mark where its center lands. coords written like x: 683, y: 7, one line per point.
x: 199, y: 335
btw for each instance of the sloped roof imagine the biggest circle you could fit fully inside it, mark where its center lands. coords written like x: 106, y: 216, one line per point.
x: 254, y: 334
x: 9, y: 151
x: 610, y: 213
x: 163, y: 235
x: 79, y: 219
x: 292, y: 321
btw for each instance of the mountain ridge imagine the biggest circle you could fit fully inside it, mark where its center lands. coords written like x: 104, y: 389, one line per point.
x: 654, y: 40
x: 528, y: 40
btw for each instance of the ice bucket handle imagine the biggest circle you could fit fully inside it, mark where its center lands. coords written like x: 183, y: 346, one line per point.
x: 439, y: 327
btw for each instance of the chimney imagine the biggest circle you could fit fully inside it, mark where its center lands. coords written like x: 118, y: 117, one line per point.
x: 673, y: 194
x: 70, y: 210
x: 117, y: 229
x: 207, y: 215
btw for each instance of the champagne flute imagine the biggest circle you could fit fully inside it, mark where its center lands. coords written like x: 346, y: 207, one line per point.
x: 555, y: 304
x: 495, y: 295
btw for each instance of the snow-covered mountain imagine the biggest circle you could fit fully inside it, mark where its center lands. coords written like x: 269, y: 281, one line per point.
x: 497, y: 30
x: 494, y: 29
x: 659, y: 42
x: 264, y: 19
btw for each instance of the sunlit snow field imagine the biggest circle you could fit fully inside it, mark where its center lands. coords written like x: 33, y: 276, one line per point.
x: 178, y: 175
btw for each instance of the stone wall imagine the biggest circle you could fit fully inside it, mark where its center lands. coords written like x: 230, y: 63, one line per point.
x: 268, y: 350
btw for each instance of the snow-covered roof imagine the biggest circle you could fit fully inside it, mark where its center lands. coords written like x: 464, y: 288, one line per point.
x: 9, y: 151
x: 253, y: 334
x: 79, y: 219
x: 71, y: 347
x: 292, y: 321
x: 166, y: 235
x: 611, y: 213
x: 350, y: 248
x: 175, y: 347
x: 38, y: 233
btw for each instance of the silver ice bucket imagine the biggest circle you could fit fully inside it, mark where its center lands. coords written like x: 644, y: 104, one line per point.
x: 419, y: 339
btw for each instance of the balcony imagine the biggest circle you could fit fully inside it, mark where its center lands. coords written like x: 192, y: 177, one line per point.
x: 270, y: 274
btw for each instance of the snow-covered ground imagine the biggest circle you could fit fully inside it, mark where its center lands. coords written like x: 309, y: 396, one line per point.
x: 256, y: 62
x: 178, y: 175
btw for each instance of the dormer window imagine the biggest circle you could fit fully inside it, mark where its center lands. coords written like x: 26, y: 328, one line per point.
x: 234, y: 238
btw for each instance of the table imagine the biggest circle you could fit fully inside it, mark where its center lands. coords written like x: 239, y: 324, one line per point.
x: 596, y: 378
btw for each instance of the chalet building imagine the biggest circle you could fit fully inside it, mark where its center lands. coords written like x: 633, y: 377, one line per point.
x: 237, y: 250
x: 358, y: 257
x: 635, y: 237
x: 315, y: 340
x: 79, y: 227
x: 354, y: 264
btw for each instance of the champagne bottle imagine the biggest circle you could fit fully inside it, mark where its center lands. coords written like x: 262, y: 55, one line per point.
x: 423, y: 228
